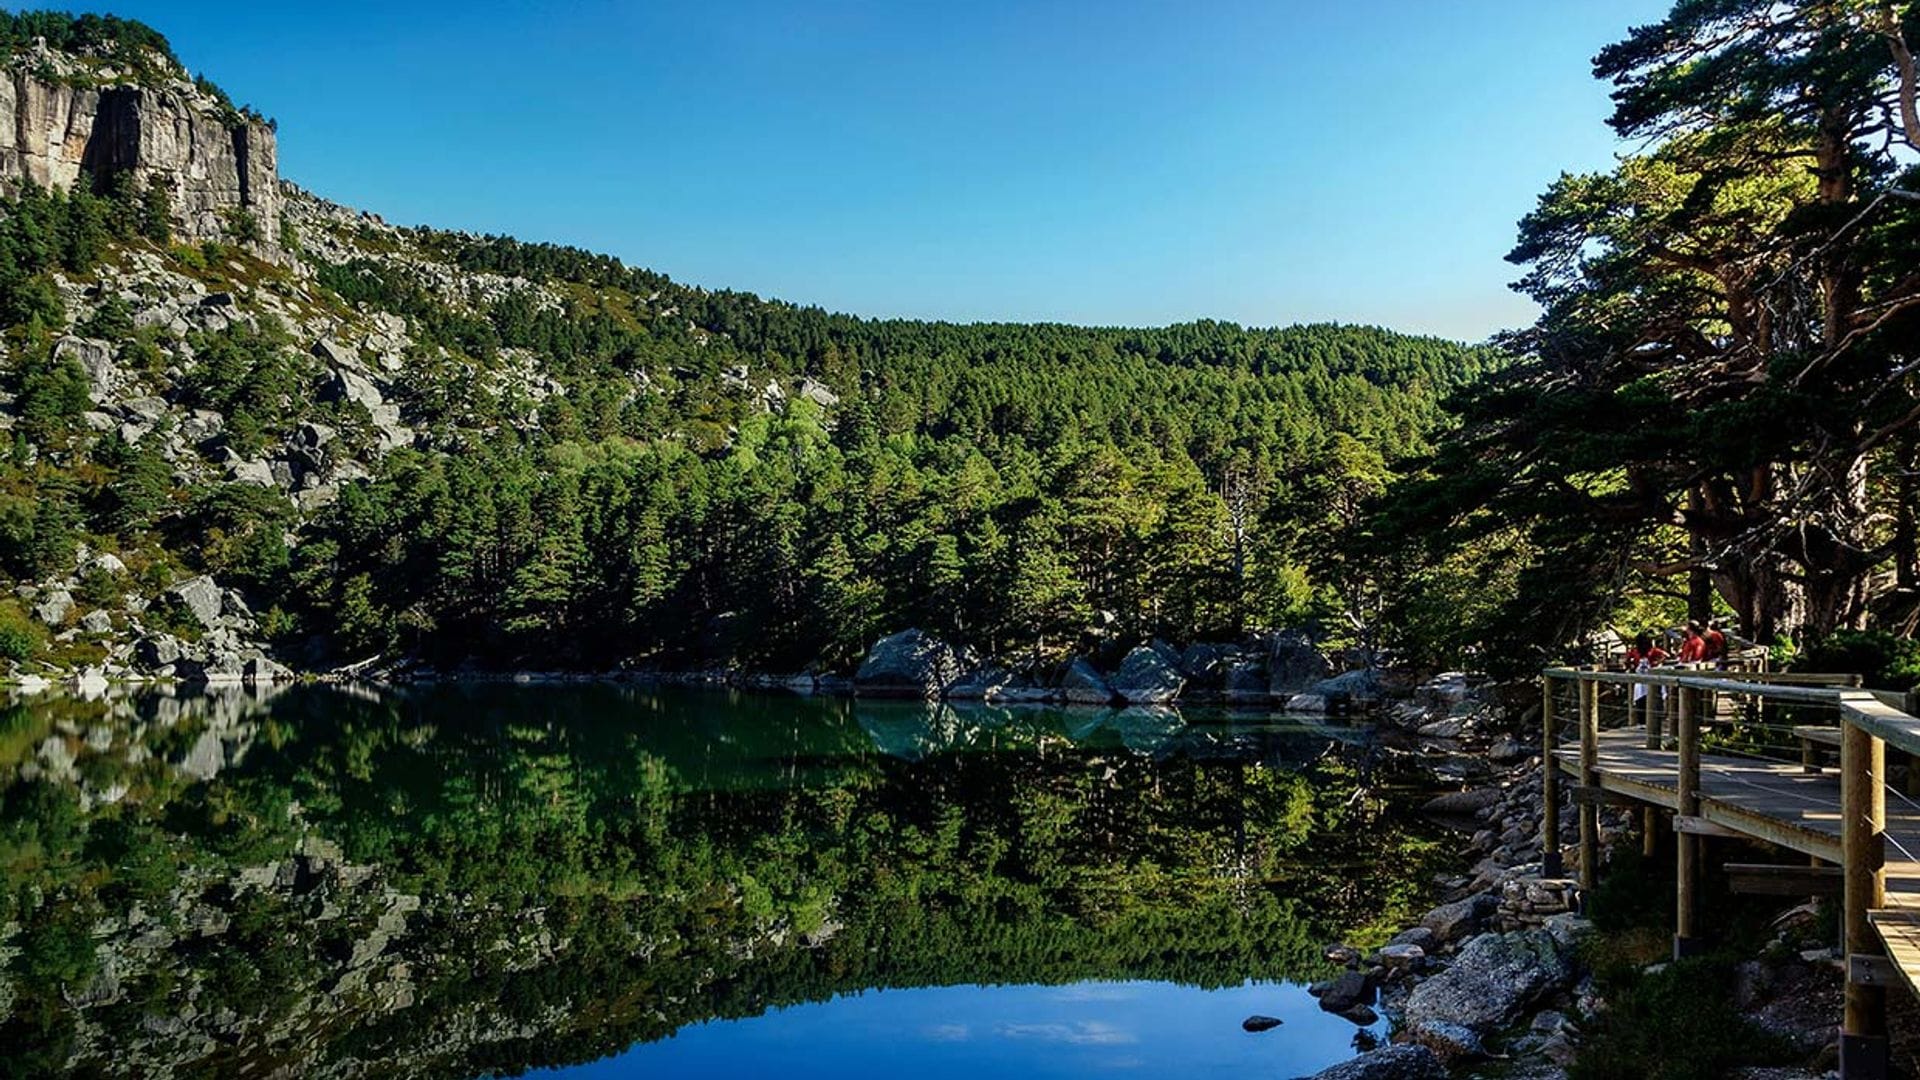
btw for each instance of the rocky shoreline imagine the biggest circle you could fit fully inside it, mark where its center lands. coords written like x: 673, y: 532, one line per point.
x: 1496, y: 980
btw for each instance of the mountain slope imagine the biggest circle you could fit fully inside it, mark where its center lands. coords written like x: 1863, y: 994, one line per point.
x: 246, y: 426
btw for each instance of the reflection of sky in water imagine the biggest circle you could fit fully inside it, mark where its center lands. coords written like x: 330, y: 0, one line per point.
x: 1085, y: 1029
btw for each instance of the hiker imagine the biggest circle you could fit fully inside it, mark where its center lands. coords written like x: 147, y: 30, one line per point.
x: 1644, y: 653
x: 1713, y: 644
x: 1692, y: 647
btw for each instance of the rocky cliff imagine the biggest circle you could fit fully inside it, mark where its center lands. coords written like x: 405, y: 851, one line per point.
x: 61, y: 118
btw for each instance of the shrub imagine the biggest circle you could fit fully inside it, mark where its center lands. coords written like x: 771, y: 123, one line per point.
x: 20, y: 636
x: 1883, y: 660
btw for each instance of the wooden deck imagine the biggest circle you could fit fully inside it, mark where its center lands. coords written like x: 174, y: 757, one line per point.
x: 1779, y: 803
x: 1847, y: 816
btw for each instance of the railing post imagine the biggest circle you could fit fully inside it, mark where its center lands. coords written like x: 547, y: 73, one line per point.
x: 1686, y: 804
x: 1649, y: 816
x: 1863, y: 814
x: 1550, y: 864
x: 1589, y: 779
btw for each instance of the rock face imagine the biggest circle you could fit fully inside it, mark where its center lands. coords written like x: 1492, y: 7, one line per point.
x: 1388, y: 1063
x: 912, y: 663
x: 1494, y: 977
x: 1149, y: 675
x: 213, y: 163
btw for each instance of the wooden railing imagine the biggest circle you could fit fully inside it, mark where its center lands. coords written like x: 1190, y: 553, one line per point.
x: 1670, y: 704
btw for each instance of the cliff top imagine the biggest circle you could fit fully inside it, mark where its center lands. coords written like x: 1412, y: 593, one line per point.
x: 103, y: 50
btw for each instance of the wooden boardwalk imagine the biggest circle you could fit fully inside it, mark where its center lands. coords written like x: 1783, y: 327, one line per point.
x: 1860, y: 835
x: 1776, y: 802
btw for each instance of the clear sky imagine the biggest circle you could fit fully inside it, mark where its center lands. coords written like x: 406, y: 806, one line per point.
x: 1112, y: 162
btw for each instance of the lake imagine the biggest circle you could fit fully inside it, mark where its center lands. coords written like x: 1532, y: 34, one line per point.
x: 610, y: 880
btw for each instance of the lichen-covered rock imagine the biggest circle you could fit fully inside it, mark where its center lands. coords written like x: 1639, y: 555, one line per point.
x: 1451, y: 922
x: 201, y: 597
x: 911, y: 663
x: 1082, y: 685
x: 1150, y: 675
x: 1492, y: 980
x: 1405, y: 1062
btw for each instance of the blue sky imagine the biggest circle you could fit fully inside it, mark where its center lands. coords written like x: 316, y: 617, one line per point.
x: 1111, y: 163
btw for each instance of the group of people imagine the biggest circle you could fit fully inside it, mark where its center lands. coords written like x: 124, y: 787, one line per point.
x: 1698, y: 645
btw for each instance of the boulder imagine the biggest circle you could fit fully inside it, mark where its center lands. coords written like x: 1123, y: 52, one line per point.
x: 1451, y: 1043
x: 1362, y: 685
x: 157, y: 651
x: 1080, y: 684
x: 1451, y: 922
x: 1399, y: 1062
x: 333, y: 352
x: 911, y: 663
x: 1461, y: 803
x: 261, y: 671
x: 1347, y: 989
x: 107, y: 563
x: 345, y: 385
x: 979, y: 684
x: 1257, y: 1023
x: 1492, y: 980
x: 54, y: 607
x: 818, y: 393
x: 1293, y: 664
x: 95, y: 358
x: 201, y: 597
x: 96, y: 622
x: 1149, y: 675
x: 1245, y: 681
x: 254, y: 472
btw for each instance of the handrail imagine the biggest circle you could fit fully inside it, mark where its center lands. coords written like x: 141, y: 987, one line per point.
x: 1873, y: 716
x: 1776, y: 691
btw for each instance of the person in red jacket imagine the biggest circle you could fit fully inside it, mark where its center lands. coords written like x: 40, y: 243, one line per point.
x: 1693, y: 647
x: 1714, y: 644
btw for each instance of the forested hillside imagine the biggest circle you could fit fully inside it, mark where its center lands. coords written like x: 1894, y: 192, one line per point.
x: 385, y: 441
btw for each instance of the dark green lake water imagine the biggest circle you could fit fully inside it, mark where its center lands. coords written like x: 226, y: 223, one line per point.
x: 490, y: 879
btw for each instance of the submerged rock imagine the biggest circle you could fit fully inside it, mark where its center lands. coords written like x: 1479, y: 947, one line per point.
x: 1257, y: 1022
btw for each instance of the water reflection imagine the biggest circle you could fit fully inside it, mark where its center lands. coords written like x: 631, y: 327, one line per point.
x: 463, y: 879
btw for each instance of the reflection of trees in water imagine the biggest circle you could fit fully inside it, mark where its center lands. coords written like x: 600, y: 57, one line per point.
x: 598, y: 865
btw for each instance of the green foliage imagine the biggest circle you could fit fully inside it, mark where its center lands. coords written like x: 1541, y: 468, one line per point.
x: 1679, y: 1023
x: 20, y: 636
x: 1885, y: 661
x: 1705, y: 403
x: 252, y: 376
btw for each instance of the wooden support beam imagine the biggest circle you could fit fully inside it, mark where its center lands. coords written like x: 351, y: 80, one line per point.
x: 1589, y: 777
x: 1686, y: 810
x: 1776, y: 879
x: 1692, y: 825
x: 1550, y: 864
x: 1600, y: 796
x: 1863, y: 815
x: 1872, y: 970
